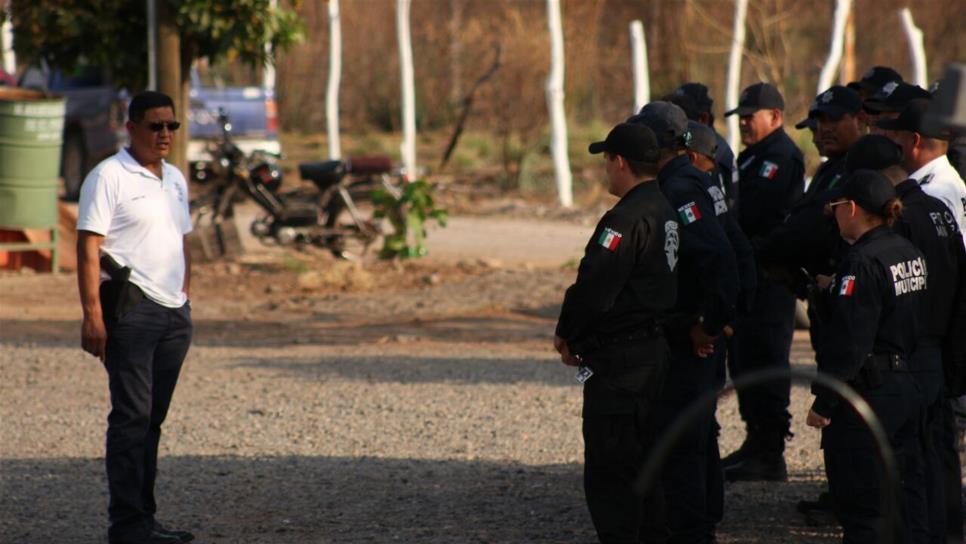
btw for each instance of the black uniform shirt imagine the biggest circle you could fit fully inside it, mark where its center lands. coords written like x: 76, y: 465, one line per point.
x: 626, y: 278
x: 744, y: 254
x: 931, y: 227
x: 724, y: 169
x: 707, y: 274
x: 877, y: 292
x: 808, y: 238
x: 771, y: 177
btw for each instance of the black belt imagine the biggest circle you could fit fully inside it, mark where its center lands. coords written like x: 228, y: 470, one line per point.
x: 876, y: 366
x: 595, y: 342
x: 889, y: 362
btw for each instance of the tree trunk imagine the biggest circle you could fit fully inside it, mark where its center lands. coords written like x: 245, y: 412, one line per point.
x: 642, y: 81
x: 734, y: 70
x: 555, y: 102
x: 408, y: 85
x: 916, y: 49
x: 826, y: 78
x: 335, y: 77
x: 171, y: 80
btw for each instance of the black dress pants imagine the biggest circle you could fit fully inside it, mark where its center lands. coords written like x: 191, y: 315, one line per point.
x: 763, y: 340
x: 145, y: 350
x: 618, y: 430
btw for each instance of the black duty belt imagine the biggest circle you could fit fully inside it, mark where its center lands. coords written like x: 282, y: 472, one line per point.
x: 876, y: 366
x: 595, y: 342
x: 889, y: 362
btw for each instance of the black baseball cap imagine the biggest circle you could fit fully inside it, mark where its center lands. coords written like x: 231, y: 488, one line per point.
x: 698, y: 92
x: 877, y: 77
x: 910, y: 120
x: 632, y: 141
x: 760, y: 96
x: 873, y: 152
x: 667, y: 120
x: 809, y: 122
x: 894, y: 96
x: 702, y: 139
x: 868, y: 188
x: 836, y: 101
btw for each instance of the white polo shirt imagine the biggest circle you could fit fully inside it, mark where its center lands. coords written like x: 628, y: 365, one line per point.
x: 143, y: 220
x: 940, y: 180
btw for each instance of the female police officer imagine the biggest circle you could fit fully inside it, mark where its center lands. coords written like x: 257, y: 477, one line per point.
x: 877, y: 290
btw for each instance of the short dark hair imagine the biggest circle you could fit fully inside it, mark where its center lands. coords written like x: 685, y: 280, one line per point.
x: 147, y: 100
x: 686, y: 103
x: 641, y: 168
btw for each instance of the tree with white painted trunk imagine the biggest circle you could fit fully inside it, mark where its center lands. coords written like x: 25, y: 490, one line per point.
x: 841, y: 17
x: 916, y: 48
x: 642, y: 82
x: 555, y: 103
x: 408, y: 147
x: 335, y: 77
x: 734, y: 69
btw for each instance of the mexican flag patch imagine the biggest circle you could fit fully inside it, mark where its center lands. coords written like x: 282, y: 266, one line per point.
x: 609, y: 239
x: 768, y: 170
x: 848, y: 285
x: 689, y: 213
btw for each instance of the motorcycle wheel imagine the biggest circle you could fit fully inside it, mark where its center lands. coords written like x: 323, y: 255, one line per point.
x: 355, y: 239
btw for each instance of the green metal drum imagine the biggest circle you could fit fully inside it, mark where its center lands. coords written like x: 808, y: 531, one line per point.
x: 31, y: 133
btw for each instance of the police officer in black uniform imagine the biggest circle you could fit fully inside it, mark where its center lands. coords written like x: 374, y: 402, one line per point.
x: 707, y: 293
x: 930, y: 226
x: 877, y: 290
x: 771, y: 179
x: 610, y: 326
x: 703, y: 112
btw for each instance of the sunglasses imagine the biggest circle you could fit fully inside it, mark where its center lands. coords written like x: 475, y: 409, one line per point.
x: 830, y: 207
x: 158, y: 127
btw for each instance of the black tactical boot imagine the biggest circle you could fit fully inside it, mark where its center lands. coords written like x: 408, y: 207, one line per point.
x: 751, y: 446
x: 766, y: 463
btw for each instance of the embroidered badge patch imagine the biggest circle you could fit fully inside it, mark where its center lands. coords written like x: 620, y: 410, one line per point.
x: 848, y: 285
x: 689, y: 213
x: 671, y: 243
x: 610, y: 238
x: 768, y: 170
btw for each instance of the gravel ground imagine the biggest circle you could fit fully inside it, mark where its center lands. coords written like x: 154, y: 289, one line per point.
x: 428, y: 413
x: 328, y: 402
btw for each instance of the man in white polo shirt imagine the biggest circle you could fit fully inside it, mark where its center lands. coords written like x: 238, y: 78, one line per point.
x: 925, y: 159
x: 133, y: 273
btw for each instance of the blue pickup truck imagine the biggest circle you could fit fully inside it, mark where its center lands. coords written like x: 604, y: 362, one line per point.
x: 96, y: 112
x: 253, y: 115
x: 94, y: 121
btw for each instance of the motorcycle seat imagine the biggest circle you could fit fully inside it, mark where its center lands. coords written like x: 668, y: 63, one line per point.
x: 324, y: 173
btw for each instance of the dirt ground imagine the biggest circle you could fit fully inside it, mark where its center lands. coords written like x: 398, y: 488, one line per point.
x: 325, y: 401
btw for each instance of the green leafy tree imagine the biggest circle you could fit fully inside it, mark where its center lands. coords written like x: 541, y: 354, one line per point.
x: 112, y: 34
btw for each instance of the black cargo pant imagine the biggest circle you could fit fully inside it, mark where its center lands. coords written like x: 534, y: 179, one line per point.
x: 851, y: 457
x: 618, y: 429
x: 691, y: 475
x: 145, y: 350
x: 763, y: 340
x: 928, y: 373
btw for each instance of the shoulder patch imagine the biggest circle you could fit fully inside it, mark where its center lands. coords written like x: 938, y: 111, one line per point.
x: 689, y: 213
x: 671, y: 243
x: 847, y: 286
x: 768, y: 170
x: 610, y: 239
x: 717, y: 195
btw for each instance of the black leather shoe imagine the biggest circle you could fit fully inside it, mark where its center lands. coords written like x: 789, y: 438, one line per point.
x: 146, y: 537
x: 182, y: 536
x: 763, y: 467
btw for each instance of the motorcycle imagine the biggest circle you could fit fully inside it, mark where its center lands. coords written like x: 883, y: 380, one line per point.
x: 330, y: 214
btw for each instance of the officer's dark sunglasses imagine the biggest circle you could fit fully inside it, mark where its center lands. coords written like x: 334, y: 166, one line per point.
x: 158, y: 127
